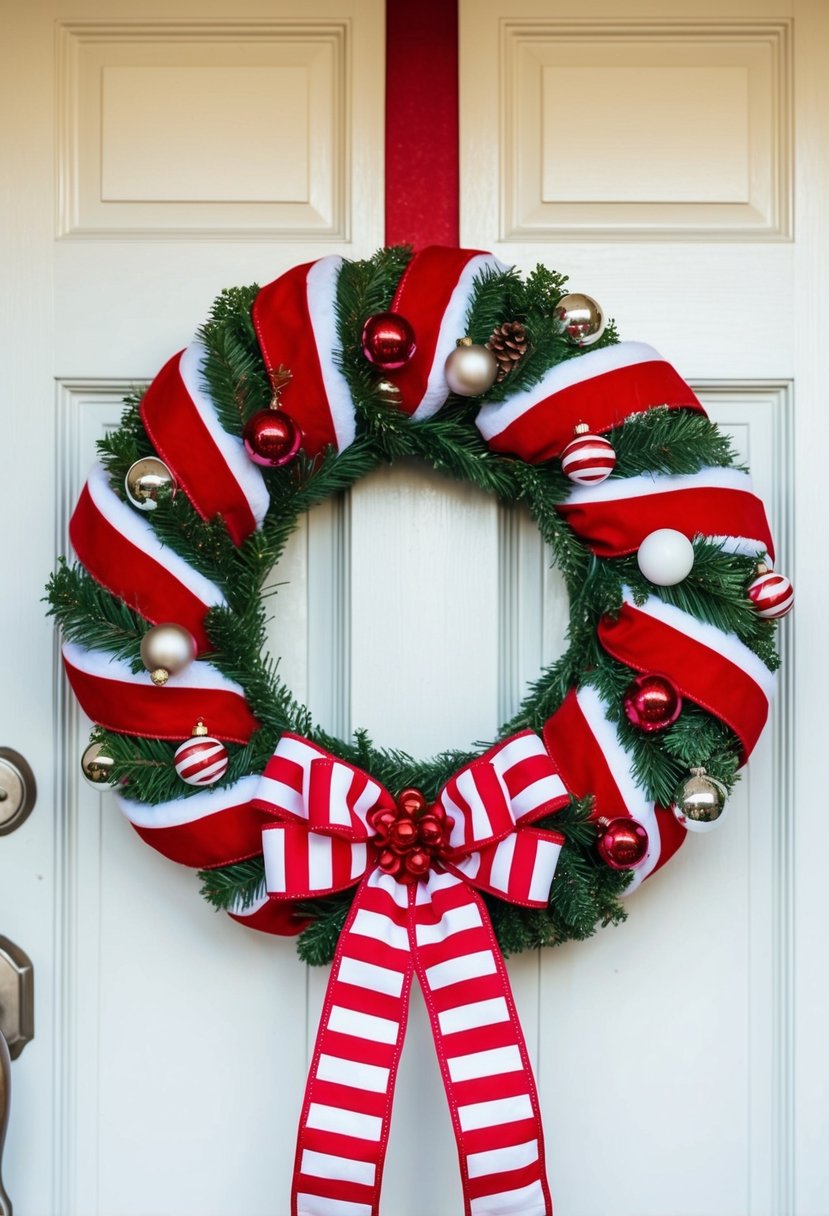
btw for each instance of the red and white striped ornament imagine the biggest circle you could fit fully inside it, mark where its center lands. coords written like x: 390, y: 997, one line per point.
x: 771, y: 594
x: 588, y: 459
x: 201, y: 760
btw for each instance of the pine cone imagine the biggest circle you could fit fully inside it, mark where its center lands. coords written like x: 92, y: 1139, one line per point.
x: 508, y: 344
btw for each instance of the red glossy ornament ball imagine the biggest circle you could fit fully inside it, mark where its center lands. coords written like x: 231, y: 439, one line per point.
x: 388, y: 341
x: 652, y: 703
x: 411, y: 802
x: 622, y: 844
x: 271, y: 438
x: 417, y: 863
x: 402, y: 834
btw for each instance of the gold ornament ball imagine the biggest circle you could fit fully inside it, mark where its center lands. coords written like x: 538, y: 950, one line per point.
x: 471, y: 369
x: 581, y: 318
x: 700, y: 803
x: 166, y: 649
x: 96, y: 766
x: 145, y: 480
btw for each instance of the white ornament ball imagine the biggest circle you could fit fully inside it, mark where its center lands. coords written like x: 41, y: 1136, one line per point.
x: 666, y: 557
x: 201, y: 760
x: 588, y: 459
x: 166, y: 649
x: 470, y: 369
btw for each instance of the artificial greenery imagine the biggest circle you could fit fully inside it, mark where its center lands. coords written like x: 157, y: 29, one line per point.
x: 585, y: 892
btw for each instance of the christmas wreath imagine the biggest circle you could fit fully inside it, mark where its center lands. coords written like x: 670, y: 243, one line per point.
x: 384, y: 863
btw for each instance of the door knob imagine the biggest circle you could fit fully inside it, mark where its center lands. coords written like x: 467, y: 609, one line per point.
x: 16, y: 1030
x: 17, y: 790
x: 5, y: 1102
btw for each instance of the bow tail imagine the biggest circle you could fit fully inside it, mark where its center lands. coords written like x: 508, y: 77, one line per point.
x: 483, y: 1057
x: 344, y: 1127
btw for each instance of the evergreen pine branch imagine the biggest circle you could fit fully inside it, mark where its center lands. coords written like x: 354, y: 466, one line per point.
x: 234, y: 371
x: 236, y: 886
x: 127, y: 443
x: 496, y: 296
x: 664, y: 440
x: 317, y: 943
x: 89, y: 615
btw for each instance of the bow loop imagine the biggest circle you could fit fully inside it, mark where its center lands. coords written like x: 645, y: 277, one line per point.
x: 342, y: 799
x: 511, y: 785
x: 303, y: 782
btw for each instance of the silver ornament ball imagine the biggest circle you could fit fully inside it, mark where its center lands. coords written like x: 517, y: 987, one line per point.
x: 700, y: 803
x: 471, y: 369
x: 581, y: 318
x: 145, y: 480
x: 96, y: 766
x: 166, y: 649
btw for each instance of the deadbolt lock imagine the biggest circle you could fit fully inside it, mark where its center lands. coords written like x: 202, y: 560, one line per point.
x: 18, y: 790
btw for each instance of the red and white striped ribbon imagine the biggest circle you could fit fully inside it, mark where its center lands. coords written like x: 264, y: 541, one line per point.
x: 482, y: 1053
x: 601, y: 388
x: 614, y: 517
x: 434, y: 295
x: 344, y: 1125
x: 122, y: 552
x: 209, y: 464
x: 439, y: 928
x: 707, y: 665
x: 295, y: 318
x: 114, y: 696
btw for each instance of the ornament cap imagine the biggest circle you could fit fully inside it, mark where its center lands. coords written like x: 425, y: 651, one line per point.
x: 763, y: 568
x: 279, y: 378
x: 199, y: 730
x: 581, y: 428
x: 699, y: 771
x: 160, y: 676
x: 465, y: 341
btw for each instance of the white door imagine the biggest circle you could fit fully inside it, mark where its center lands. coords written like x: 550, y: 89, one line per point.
x: 159, y: 152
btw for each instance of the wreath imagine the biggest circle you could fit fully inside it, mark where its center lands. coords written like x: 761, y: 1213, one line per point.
x: 387, y: 864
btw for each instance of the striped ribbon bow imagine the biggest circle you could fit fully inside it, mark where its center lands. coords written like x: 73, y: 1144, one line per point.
x: 415, y: 911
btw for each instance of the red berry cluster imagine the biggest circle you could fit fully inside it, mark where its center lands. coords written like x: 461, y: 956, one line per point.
x: 409, y: 836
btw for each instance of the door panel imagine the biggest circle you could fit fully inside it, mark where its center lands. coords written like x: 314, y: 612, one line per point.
x: 167, y: 1073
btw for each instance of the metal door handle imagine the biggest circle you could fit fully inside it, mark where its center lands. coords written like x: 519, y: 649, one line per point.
x: 5, y: 1103
x: 16, y: 1030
